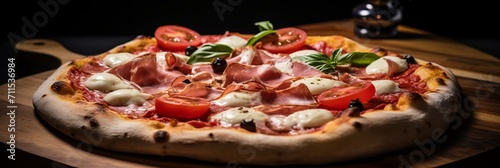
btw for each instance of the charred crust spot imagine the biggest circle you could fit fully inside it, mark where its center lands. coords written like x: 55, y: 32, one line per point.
x: 101, y: 107
x: 125, y: 135
x: 88, y: 116
x: 432, y: 67
x: 72, y: 62
x: 414, y: 96
x: 161, y: 136
x: 83, y: 127
x: 417, y: 130
x: 211, y: 135
x: 72, y: 134
x: 62, y: 87
x: 356, y: 125
x: 58, y: 86
x: 44, y: 95
x: 428, y: 123
x: 444, y: 75
x: 379, y: 51
x: 351, y: 112
x: 93, y: 123
x: 440, y: 81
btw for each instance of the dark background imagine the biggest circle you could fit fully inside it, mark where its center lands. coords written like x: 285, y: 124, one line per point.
x: 91, y: 20
x: 91, y: 27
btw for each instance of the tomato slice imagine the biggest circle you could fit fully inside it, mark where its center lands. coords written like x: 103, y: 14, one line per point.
x: 287, y: 40
x: 182, y: 108
x: 176, y: 38
x: 338, y: 98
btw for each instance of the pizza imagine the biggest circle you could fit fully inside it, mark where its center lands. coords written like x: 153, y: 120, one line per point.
x: 277, y: 97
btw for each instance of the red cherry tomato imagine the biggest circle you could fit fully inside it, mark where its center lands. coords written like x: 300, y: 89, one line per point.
x: 338, y: 98
x: 287, y: 40
x: 176, y: 38
x: 182, y: 108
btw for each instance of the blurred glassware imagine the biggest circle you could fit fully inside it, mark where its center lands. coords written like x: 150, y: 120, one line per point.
x: 377, y: 18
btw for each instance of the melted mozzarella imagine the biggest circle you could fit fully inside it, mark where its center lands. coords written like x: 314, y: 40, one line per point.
x: 235, y: 115
x: 238, y: 99
x: 385, y: 86
x: 284, y: 66
x: 303, y: 53
x: 318, y: 85
x: 246, y: 57
x: 233, y: 41
x: 161, y: 60
x: 381, y: 66
x: 115, y: 59
x: 183, y: 57
x: 308, y: 118
x: 105, y: 82
x: 125, y: 97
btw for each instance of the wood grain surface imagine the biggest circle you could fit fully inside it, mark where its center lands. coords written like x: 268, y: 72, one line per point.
x: 476, y: 131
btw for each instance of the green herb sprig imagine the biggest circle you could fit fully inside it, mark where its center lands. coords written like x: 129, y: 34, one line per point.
x: 327, y: 64
x: 266, y: 28
x: 208, y: 52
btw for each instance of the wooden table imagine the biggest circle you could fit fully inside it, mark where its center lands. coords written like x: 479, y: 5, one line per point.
x: 477, y: 132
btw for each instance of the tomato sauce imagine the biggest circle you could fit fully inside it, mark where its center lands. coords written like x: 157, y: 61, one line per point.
x: 411, y: 82
x: 407, y: 82
x: 94, y: 65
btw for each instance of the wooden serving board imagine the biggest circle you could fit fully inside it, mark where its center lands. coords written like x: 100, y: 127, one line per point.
x: 475, y: 132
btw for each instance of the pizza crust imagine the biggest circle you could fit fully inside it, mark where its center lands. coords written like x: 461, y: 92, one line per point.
x: 343, y: 139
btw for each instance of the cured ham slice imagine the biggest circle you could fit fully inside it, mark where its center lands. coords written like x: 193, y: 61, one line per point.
x: 265, y: 74
x: 147, y: 71
x: 297, y: 95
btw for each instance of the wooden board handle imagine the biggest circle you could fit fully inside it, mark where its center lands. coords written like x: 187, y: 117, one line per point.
x: 48, y: 47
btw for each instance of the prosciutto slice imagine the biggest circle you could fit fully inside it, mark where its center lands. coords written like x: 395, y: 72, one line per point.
x: 297, y: 95
x: 265, y: 74
x: 147, y: 72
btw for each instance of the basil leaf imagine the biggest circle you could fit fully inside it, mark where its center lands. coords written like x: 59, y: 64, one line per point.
x: 208, y: 52
x: 252, y: 41
x: 336, y: 54
x: 266, y: 28
x: 264, y: 25
x: 328, y: 64
x: 358, y: 58
x: 321, y: 62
